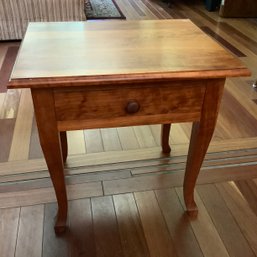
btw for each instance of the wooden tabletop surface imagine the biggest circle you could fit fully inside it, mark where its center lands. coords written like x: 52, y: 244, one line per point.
x: 149, y: 48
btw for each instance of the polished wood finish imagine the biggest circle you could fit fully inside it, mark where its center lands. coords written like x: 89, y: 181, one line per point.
x: 50, y: 142
x: 117, y: 63
x: 64, y: 145
x: 106, y: 107
x: 165, y: 138
x: 7, y: 66
x: 173, y: 84
x: 202, y: 132
x: 222, y: 219
x: 238, y: 8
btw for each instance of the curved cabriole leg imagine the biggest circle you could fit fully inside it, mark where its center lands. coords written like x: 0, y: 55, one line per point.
x: 165, y: 138
x: 201, y: 135
x: 64, y: 144
x: 51, y: 145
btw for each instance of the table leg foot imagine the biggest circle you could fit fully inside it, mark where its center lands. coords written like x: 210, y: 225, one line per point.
x: 165, y: 138
x: 59, y: 229
x: 191, y: 209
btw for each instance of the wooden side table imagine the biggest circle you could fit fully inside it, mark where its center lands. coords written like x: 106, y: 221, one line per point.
x: 108, y: 74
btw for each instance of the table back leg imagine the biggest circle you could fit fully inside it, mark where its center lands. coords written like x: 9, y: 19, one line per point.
x: 64, y: 144
x: 51, y: 145
x: 201, y: 135
x: 165, y: 138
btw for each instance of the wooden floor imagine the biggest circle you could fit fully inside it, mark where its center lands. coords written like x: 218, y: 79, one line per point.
x: 125, y: 196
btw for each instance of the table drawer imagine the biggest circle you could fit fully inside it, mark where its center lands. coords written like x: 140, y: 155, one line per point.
x: 130, y: 105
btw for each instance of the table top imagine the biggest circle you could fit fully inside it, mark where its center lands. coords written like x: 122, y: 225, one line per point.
x: 119, y: 50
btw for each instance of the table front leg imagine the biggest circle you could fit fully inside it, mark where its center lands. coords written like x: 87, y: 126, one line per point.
x: 50, y: 141
x: 201, y: 135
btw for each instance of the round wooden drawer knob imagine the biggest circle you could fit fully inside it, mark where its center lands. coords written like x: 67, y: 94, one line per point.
x: 132, y: 107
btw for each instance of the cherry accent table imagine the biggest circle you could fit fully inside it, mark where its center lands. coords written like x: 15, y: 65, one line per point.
x: 85, y: 75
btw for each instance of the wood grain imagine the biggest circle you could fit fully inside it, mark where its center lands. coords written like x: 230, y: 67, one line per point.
x: 47, y: 194
x: 106, y: 231
x: 6, y: 67
x: 6, y: 134
x: 82, y: 241
x: 76, y: 142
x: 204, y: 228
x: 131, y: 231
x: 214, y: 58
x: 22, y: 130
x: 127, y: 138
x: 51, y: 145
x: 94, y: 141
x: 111, y: 140
x: 100, y: 107
x: 178, y: 224
x: 35, y: 150
x: 224, y: 222
x: 9, y: 219
x: 156, y: 232
x: 51, y: 244
x: 241, y: 211
x: 30, y: 235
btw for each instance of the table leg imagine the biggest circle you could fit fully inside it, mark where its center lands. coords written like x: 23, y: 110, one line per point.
x: 201, y: 135
x: 64, y: 144
x: 165, y: 138
x: 50, y: 142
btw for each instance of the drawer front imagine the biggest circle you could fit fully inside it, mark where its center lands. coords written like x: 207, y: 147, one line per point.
x: 130, y: 105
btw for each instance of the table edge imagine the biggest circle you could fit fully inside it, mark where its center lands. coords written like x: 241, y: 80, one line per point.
x: 72, y: 81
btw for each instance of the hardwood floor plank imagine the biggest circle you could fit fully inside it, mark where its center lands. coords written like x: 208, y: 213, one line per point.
x: 249, y: 190
x: 223, y: 25
x: 178, y: 134
x: 47, y: 195
x: 131, y: 232
x: 223, y: 42
x: 139, y: 11
x: 172, y: 9
x: 239, y: 207
x: 81, y: 229
x: 239, y: 122
x: 54, y: 246
x: 9, y: 220
x: 6, y: 68
x: 6, y: 134
x: 76, y: 142
x: 156, y: 232
x: 45, y: 182
x: 178, y: 224
x: 35, y: 150
x: 94, y: 143
x: 127, y: 138
x: 175, y: 179
x: 144, y: 136
x: 157, y: 11
x: 127, y: 10
x: 204, y: 230
x: 111, y: 141
x: 10, y: 106
x: 241, y: 96
x: 224, y: 222
x: 2, y: 97
x: 30, y: 234
x: 22, y: 130
x: 156, y: 131
x: 106, y: 230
